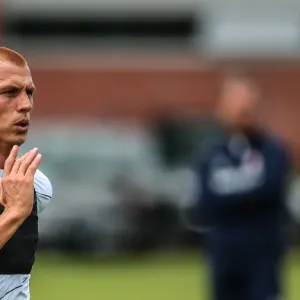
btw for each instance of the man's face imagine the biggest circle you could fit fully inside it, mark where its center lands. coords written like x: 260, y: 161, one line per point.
x: 238, y: 106
x: 16, y: 102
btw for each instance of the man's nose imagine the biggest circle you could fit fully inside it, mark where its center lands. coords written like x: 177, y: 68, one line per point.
x: 24, y: 103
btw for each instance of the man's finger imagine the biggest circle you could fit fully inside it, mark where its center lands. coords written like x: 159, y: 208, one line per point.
x: 23, y: 163
x: 9, y: 163
x: 34, y: 166
x: 20, y: 160
x: 2, y: 200
x: 23, y: 156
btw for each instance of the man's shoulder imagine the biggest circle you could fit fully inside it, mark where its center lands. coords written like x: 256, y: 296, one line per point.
x: 42, y: 184
x: 274, y: 138
x: 277, y: 143
x: 279, y: 148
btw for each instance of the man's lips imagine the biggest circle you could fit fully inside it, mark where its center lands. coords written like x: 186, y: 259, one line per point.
x: 22, y: 124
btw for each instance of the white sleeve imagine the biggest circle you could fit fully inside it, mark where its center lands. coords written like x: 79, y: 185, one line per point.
x: 43, y: 189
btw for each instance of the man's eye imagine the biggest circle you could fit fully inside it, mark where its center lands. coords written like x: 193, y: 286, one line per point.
x: 12, y: 92
x: 30, y: 93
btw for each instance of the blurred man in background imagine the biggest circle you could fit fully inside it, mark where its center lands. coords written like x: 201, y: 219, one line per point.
x: 240, y: 187
x: 24, y: 190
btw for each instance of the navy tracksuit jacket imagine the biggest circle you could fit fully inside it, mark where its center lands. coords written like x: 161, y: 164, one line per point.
x: 242, y: 187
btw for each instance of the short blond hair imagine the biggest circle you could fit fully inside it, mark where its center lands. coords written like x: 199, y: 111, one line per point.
x: 12, y: 56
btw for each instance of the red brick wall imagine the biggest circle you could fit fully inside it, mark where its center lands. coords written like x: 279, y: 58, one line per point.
x: 137, y: 93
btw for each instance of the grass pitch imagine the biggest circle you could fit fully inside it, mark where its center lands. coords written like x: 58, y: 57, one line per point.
x: 155, y: 277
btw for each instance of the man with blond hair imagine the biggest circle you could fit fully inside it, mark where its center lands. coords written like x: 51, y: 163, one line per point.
x: 24, y: 190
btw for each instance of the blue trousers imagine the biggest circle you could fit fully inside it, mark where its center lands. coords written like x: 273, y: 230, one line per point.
x: 245, y: 273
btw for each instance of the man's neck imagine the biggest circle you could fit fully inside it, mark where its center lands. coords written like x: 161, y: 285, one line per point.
x: 4, y: 153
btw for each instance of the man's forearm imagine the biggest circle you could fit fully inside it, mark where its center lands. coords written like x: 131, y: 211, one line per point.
x: 10, y: 221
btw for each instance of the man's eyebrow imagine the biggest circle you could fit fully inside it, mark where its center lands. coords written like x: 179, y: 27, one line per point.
x: 17, y: 86
x: 10, y: 86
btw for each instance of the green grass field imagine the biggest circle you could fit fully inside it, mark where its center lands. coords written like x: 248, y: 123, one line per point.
x: 160, y: 277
